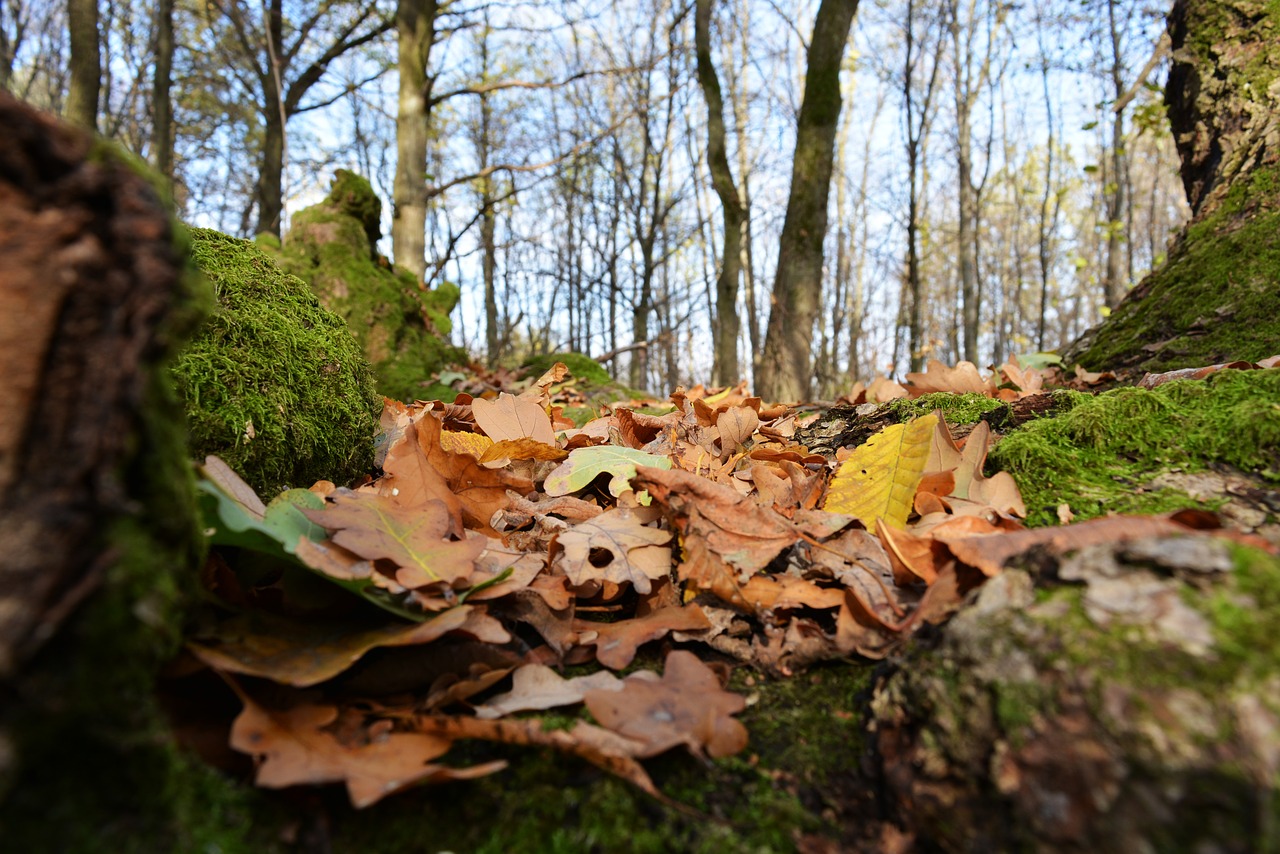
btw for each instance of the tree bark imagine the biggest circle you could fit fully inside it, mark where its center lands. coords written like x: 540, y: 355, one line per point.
x: 1117, y: 191
x: 87, y: 299
x: 416, y: 34
x: 161, y: 98
x: 724, y: 369
x: 86, y: 63
x: 785, y: 369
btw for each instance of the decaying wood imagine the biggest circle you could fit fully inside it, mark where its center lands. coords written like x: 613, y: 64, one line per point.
x: 88, y: 273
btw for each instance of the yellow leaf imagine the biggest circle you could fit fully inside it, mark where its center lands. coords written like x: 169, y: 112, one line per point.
x: 522, y: 449
x: 879, y: 480
x: 457, y: 442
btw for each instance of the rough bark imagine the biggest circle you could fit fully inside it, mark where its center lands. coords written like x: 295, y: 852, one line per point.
x: 416, y: 34
x: 785, y: 369
x: 84, y: 298
x: 86, y: 63
x: 1215, y: 299
x: 725, y: 333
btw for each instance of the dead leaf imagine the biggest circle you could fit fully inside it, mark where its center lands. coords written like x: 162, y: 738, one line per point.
x: 989, y: 553
x: 302, y: 653
x: 686, y: 706
x: 736, y: 426
x: 536, y: 686
x: 513, y: 418
x: 458, y: 442
x: 964, y: 378
x: 606, y: 750
x: 616, y: 643
x: 295, y: 746
x: 741, y: 532
x: 615, y: 546
x: 375, y: 527
x: 521, y: 449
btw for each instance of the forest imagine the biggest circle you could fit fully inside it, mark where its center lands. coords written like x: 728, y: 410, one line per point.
x: 565, y: 427
x: 1002, y: 173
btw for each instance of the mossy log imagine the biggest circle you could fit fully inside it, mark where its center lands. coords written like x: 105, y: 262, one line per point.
x: 1217, y: 297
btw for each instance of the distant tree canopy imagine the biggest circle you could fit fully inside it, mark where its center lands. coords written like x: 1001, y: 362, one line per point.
x: 951, y: 180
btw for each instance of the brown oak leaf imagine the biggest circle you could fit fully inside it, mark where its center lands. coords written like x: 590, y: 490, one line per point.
x: 616, y: 643
x: 615, y: 546
x: 685, y: 706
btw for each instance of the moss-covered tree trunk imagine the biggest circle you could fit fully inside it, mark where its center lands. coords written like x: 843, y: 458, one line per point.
x: 1217, y: 297
x: 98, y: 535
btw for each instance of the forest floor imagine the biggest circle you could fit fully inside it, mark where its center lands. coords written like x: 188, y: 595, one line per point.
x: 711, y: 623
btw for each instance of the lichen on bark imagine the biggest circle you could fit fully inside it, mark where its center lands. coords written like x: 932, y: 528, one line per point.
x: 1129, y: 701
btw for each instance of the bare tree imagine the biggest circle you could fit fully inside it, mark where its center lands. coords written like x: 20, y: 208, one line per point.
x: 281, y: 60
x: 972, y: 52
x: 161, y: 98
x: 785, y: 365
x: 726, y: 327
x: 416, y: 36
x: 918, y: 108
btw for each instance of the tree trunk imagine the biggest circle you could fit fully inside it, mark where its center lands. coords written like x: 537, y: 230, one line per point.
x: 88, y: 302
x: 724, y: 369
x: 86, y: 63
x: 785, y: 370
x: 1216, y: 297
x: 416, y: 34
x: 270, y: 188
x: 1117, y: 189
x: 161, y: 100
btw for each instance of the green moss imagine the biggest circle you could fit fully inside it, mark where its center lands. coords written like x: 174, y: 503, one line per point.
x: 402, y: 328
x: 272, y: 358
x: 1100, y: 455
x: 1244, y: 616
x: 956, y: 408
x: 806, y: 746
x: 582, y: 367
x: 352, y: 195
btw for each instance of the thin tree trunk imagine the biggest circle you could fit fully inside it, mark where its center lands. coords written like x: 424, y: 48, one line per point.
x: 416, y: 34
x: 1117, y: 198
x: 739, y: 98
x: 917, y: 119
x: 724, y: 369
x: 271, y: 174
x: 161, y: 98
x: 86, y: 63
x: 785, y: 369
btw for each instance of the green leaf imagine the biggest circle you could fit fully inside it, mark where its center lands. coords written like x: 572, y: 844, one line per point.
x: 1039, y: 361
x: 585, y: 464
x: 234, y: 516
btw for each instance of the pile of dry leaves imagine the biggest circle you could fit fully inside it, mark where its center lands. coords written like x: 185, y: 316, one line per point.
x: 502, y: 544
